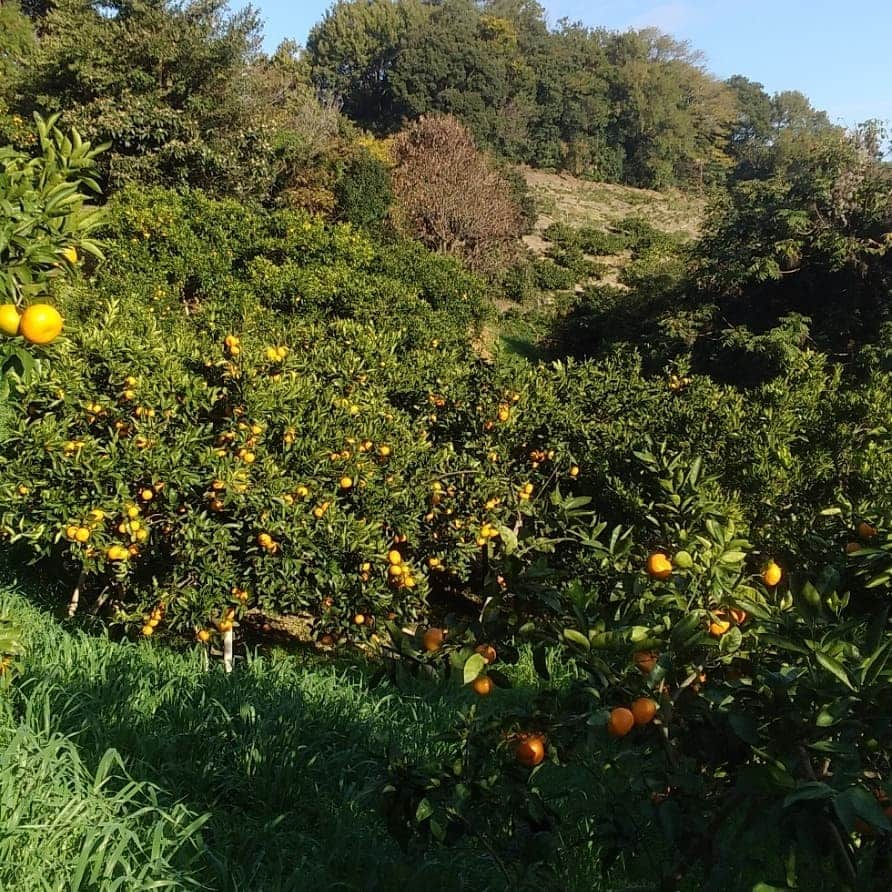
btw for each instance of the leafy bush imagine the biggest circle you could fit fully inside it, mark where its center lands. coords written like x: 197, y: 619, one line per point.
x: 601, y: 242
x: 552, y: 277
x: 562, y: 235
x: 46, y: 220
x: 363, y: 191
x: 519, y: 282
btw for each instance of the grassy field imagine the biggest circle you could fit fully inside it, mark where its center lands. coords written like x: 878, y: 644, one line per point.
x: 562, y: 198
x: 138, y: 768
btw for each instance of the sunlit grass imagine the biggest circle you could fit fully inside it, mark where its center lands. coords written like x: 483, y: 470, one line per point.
x: 129, y: 766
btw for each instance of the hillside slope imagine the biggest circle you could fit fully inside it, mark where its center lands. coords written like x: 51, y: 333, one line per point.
x: 562, y: 198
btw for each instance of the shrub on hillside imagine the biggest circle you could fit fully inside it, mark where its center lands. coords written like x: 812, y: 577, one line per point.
x: 552, y: 277
x: 363, y: 191
x: 519, y: 283
x: 562, y: 235
x: 451, y: 197
x: 601, y: 242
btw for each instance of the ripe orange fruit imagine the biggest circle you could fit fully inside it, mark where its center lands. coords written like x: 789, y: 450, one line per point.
x: 148, y: 630
x: 771, y: 574
x: 621, y: 721
x: 487, y: 651
x: 359, y: 619
x: 866, y: 530
x: 659, y: 566
x: 645, y: 660
x: 531, y: 751
x: 346, y: 483
x: 433, y: 639
x: 574, y: 471
x: 643, y: 710
x: 482, y: 685
x: 203, y: 635
x: 394, y: 557
x: 9, y: 320
x: 82, y: 534
x: 71, y: 532
x: 718, y: 627
x: 40, y: 324
x: 147, y: 495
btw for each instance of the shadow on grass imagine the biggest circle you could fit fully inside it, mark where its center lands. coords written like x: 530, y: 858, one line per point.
x: 287, y: 754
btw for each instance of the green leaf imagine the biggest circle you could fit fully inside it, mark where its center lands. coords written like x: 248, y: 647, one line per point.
x: 875, y: 663
x: 424, y: 810
x: 577, y: 638
x: 833, y: 713
x: 835, y: 667
x: 882, y: 579
x: 809, y: 790
x: 856, y: 802
x: 474, y: 665
x: 509, y: 539
x: 745, y: 727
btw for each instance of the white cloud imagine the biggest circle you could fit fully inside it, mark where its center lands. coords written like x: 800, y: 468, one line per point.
x: 667, y: 17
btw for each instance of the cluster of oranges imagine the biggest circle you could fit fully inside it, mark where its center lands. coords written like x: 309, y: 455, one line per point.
x: 503, y: 411
x: 77, y: 533
x: 399, y: 573
x: 267, y: 543
x: 482, y: 685
x: 132, y: 527
x: 866, y: 531
x: 226, y: 624
x: 152, y: 621
x: 525, y: 492
x: 623, y: 719
x: 321, y: 510
x: 487, y: 532
x: 276, y: 354
x: 38, y: 324
x: 676, y: 383
x: 129, y: 525
x: 72, y: 447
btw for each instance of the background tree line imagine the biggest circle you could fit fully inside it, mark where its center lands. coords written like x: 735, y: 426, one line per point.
x: 185, y: 96
x: 637, y: 107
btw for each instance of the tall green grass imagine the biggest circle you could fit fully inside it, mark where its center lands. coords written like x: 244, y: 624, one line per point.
x: 129, y: 766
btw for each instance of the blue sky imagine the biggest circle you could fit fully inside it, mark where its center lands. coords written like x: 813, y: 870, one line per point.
x: 838, y: 53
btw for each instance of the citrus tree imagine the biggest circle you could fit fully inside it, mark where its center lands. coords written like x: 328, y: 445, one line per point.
x: 46, y: 222
x: 727, y: 713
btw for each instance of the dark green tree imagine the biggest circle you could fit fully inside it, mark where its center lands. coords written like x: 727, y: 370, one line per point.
x: 164, y: 83
x: 353, y: 51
